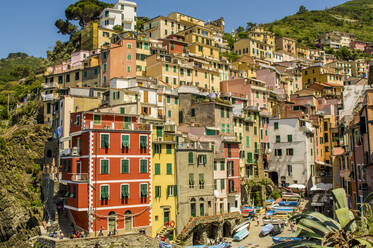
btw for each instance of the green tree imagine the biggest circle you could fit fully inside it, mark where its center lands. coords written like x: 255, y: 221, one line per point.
x: 65, y: 27
x: 140, y: 23
x: 230, y: 39
x: 21, y: 71
x: 118, y: 28
x: 85, y: 11
x: 345, y: 54
x: 302, y: 9
x: 250, y: 25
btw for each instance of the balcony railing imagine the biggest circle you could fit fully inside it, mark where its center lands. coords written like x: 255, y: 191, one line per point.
x: 111, y: 125
x: 79, y: 177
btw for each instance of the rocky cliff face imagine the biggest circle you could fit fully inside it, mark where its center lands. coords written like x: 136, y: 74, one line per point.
x: 21, y: 157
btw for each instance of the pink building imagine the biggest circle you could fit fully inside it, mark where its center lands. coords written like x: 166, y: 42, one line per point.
x: 271, y: 78
x: 359, y: 45
x: 239, y: 88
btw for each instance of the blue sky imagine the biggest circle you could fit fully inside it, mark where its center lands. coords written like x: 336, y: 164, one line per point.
x: 28, y: 26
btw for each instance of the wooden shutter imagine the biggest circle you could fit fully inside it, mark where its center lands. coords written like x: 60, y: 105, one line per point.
x: 146, y: 96
x: 190, y: 157
x: 125, y: 166
x: 157, y: 169
x: 169, y: 169
x: 124, y: 191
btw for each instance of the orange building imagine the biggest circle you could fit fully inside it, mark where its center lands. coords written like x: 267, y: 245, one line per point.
x: 108, y: 172
x: 118, y: 60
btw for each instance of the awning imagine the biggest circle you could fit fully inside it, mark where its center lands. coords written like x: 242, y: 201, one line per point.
x: 322, y: 187
x: 297, y: 186
x: 322, y: 163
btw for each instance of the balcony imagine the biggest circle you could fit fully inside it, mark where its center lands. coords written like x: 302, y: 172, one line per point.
x: 110, y: 125
x: 49, y: 85
x: 48, y: 97
x: 79, y: 177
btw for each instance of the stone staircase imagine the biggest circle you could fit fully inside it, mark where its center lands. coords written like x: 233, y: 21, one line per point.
x: 65, y: 222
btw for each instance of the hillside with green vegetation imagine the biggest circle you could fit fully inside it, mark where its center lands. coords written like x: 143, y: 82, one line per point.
x: 355, y: 17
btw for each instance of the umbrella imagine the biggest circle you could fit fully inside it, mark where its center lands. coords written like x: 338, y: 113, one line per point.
x: 297, y: 186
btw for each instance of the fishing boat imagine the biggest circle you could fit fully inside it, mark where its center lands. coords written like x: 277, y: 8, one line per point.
x: 165, y: 245
x: 266, y: 229
x: 221, y: 245
x: 247, y: 210
x: 241, y: 235
x: 277, y: 240
x: 282, y: 209
x: 288, y: 203
x: 290, y: 195
x: 241, y: 226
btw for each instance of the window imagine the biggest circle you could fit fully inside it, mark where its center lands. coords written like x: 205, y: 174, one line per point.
x: 278, y: 138
x: 104, y: 192
x: 176, y: 101
x: 169, y: 113
x: 223, y: 128
x: 143, y: 166
x: 77, y: 75
x: 175, y: 81
x: 157, y: 149
x: 157, y: 169
x: 174, y: 68
x: 222, y: 184
x: 166, y: 67
x: 124, y: 191
x: 290, y: 152
x: 215, y: 165
x: 222, y: 165
x: 143, y: 190
x: 125, y: 141
x: 193, y: 112
x: 202, y: 159
x: 290, y: 170
x: 104, y: 166
x: 168, y: 99
x: 169, y: 148
x: 278, y: 152
x: 190, y: 158
x: 290, y: 138
x: 105, y: 141
x: 128, y: 68
x: 169, y: 169
x: 97, y: 119
x: 125, y: 166
x: 201, y: 181
x: 247, y: 141
x: 129, y: 57
x: 171, y: 190
x: 249, y: 157
x: 276, y: 125
x: 191, y: 180
x: 157, y: 191
x: 143, y: 142
x: 122, y: 110
x: 215, y: 184
x: 255, y: 130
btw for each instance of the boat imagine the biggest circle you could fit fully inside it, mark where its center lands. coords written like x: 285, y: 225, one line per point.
x: 196, y: 246
x: 221, y: 245
x: 165, y: 245
x: 288, y: 203
x: 247, y: 210
x: 239, y: 227
x: 277, y: 240
x: 247, y: 226
x: 290, y: 195
x: 241, y: 235
x: 282, y: 209
x: 266, y: 229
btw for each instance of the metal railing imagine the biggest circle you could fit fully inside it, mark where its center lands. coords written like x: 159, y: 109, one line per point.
x: 78, y: 177
x: 111, y: 125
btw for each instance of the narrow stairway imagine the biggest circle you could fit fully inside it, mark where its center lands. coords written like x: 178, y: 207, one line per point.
x: 65, y: 223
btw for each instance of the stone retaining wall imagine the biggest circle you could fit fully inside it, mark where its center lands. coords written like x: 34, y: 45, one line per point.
x: 127, y: 240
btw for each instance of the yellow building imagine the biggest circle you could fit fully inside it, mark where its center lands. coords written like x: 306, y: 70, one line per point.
x: 254, y: 48
x: 177, y: 70
x: 320, y: 74
x: 94, y: 37
x: 201, y: 41
x: 164, y: 197
x: 185, y: 19
x: 143, y: 45
x: 246, y: 67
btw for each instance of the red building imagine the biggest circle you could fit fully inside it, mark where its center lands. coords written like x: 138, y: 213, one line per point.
x: 175, y: 44
x: 108, y: 172
x: 232, y: 157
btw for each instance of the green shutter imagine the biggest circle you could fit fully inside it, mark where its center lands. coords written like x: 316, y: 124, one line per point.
x: 122, y: 111
x: 157, y: 191
x: 125, y: 166
x: 249, y: 157
x: 159, y: 131
x: 247, y: 141
x: 175, y: 190
x: 143, y: 141
x: 290, y: 138
x: 215, y: 165
x: 278, y: 139
x: 222, y: 112
x: 104, y: 192
x: 125, y: 141
x: 124, y: 191
x: 144, y: 189
x: 190, y: 157
x: 169, y: 148
x: 276, y: 125
x: 104, y: 140
x: 104, y: 166
x: 169, y: 169
x: 223, y: 128
x: 222, y: 184
x: 228, y: 130
x: 143, y: 166
x: 222, y: 165
x: 157, y: 169
x: 215, y: 185
x: 97, y: 119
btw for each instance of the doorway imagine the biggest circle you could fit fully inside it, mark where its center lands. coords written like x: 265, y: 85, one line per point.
x: 112, y: 221
x: 128, y: 221
x: 166, y: 214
